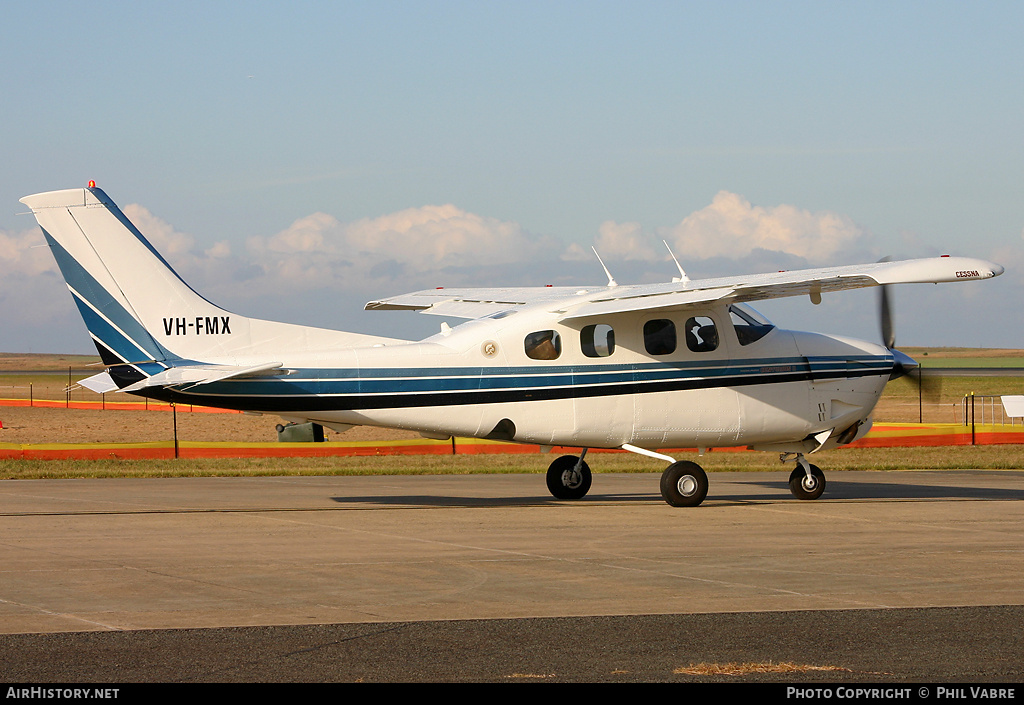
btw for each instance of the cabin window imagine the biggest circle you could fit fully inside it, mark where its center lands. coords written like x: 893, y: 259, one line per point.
x: 597, y: 340
x: 543, y: 345
x: 750, y: 325
x: 701, y: 334
x: 660, y: 336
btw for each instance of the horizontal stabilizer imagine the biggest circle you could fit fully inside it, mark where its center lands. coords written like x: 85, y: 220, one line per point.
x: 193, y: 375
x: 100, y: 384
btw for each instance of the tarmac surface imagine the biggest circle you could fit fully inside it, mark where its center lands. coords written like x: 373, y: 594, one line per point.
x: 890, y: 577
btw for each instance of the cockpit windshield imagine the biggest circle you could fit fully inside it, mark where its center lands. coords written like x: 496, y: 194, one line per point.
x: 750, y: 325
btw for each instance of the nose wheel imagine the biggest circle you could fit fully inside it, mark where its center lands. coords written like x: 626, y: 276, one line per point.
x: 806, y: 481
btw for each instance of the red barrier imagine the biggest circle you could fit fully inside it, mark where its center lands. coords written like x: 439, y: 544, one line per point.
x: 881, y: 436
x: 113, y: 406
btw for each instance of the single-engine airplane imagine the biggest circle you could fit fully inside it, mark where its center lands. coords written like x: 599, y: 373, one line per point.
x: 681, y: 364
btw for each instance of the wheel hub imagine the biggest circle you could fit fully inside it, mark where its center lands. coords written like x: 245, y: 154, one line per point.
x: 687, y: 485
x: 572, y: 479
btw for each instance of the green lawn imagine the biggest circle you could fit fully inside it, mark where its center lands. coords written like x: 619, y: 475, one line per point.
x: 996, y: 457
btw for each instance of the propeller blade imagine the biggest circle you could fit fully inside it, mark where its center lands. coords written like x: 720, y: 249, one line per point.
x: 929, y: 386
x: 885, y: 313
x: 885, y: 316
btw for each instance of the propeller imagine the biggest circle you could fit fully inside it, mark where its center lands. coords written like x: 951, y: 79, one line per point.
x: 929, y: 386
x: 885, y: 315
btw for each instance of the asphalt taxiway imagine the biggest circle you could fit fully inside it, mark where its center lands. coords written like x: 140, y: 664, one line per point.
x: 424, y: 567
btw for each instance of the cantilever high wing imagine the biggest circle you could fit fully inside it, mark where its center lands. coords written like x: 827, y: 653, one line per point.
x: 476, y: 302
x: 580, y: 301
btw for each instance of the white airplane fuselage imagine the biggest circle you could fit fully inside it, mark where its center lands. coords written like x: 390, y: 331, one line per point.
x: 477, y: 380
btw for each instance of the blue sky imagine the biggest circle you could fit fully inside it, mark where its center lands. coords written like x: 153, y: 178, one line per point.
x: 296, y: 160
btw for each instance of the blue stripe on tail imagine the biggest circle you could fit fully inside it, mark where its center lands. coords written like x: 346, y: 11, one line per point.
x: 107, y: 320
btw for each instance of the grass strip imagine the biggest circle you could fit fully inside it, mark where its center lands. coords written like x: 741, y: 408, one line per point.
x: 994, y: 457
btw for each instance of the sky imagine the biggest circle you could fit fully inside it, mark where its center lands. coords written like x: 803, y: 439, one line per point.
x: 295, y: 160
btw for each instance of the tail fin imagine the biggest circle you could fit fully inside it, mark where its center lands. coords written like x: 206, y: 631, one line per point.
x: 139, y: 312
x: 108, y: 266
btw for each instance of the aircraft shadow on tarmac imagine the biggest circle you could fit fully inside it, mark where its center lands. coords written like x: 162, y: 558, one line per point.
x: 743, y: 491
x: 538, y: 501
x: 840, y: 490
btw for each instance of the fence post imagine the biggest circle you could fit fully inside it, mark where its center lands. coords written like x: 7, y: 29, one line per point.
x: 920, y: 394
x: 174, y: 416
x: 972, y: 419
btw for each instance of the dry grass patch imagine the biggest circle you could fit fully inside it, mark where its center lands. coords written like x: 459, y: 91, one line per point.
x: 744, y: 669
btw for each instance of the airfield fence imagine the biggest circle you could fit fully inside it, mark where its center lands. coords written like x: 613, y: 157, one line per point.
x: 62, y: 388
x: 980, y: 409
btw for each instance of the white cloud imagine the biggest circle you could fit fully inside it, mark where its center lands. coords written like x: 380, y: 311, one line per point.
x: 434, y: 236
x: 36, y: 310
x: 616, y: 241
x: 25, y: 254
x: 321, y: 269
x: 731, y: 227
x: 304, y: 235
x: 169, y: 242
x: 319, y: 250
x: 178, y: 248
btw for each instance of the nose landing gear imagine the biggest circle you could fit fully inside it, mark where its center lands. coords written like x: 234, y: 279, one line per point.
x: 806, y: 481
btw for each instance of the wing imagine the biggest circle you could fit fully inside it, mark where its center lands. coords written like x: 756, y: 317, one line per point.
x: 476, y: 303
x: 582, y: 302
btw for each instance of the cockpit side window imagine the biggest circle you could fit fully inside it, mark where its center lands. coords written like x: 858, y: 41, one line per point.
x: 660, y: 336
x: 701, y: 334
x: 750, y: 325
x: 597, y: 340
x: 543, y: 345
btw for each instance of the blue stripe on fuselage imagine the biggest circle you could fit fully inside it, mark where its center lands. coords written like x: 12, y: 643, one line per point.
x: 409, y: 387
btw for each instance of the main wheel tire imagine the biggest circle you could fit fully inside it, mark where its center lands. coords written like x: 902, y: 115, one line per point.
x: 684, y: 484
x: 564, y: 482
x: 804, y: 487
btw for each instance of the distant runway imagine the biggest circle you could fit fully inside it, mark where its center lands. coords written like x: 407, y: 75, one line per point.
x: 975, y: 371
x: 430, y: 564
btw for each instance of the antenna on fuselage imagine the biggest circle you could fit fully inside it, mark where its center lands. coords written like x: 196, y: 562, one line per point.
x: 682, y: 275
x: 611, y: 279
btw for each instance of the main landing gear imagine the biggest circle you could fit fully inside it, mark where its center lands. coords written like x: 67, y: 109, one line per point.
x: 569, y: 477
x: 683, y: 484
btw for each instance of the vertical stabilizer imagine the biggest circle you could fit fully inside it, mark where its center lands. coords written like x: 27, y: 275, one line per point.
x: 110, y: 268
x: 139, y: 311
